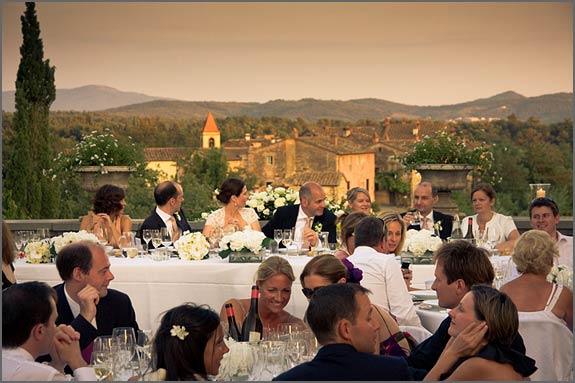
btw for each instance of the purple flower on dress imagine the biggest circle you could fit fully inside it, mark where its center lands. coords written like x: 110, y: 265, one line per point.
x: 355, y: 274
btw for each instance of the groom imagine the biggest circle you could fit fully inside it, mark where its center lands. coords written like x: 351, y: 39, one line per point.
x: 306, y: 218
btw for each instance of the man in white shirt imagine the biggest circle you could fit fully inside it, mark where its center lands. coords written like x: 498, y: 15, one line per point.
x: 29, y: 330
x: 381, y: 272
x: 425, y: 196
x: 544, y: 215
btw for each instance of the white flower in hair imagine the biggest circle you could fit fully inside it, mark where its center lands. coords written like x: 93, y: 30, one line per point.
x: 179, y: 331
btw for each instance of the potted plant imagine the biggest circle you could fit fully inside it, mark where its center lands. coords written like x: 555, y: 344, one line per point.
x: 102, y: 159
x: 445, y: 160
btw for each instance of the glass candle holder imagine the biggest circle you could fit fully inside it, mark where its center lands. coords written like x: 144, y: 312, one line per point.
x: 540, y: 190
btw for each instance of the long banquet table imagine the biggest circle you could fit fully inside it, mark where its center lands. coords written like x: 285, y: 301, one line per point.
x: 155, y: 287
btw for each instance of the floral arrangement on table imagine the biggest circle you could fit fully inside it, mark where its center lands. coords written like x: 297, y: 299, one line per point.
x: 45, y: 251
x: 561, y: 275
x: 247, y: 241
x: 238, y: 362
x: 100, y: 149
x: 421, y: 242
x: 192, y: 247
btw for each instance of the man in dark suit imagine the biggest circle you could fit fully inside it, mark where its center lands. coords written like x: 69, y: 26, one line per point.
x: 424, y: 198
x: 84, y: 300
x: 307, y: 218
x: 340, y: 317
x: 169, y: 197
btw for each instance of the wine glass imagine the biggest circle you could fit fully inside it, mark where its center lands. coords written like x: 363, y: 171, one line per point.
x: 278, y: 235
x: 124, y: 344
x: 214, y: 239
x: 147, y: 237
x: 101, y: 362
x: 19, y: 240
x: 144, y: 351
x: 416, y: 218
x: 166, y: 237
x: 287, y: 239
x: 156, y: 238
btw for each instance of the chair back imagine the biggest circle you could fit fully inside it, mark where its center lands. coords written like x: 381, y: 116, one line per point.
x: 550, y: 343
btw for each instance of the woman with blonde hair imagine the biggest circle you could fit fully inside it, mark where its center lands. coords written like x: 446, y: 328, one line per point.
x: 533, y: 295
x: 358, y: 200
x: 326, y: 270
x: 346, y: 234
x: 394, y: 232
x: 274, y: 278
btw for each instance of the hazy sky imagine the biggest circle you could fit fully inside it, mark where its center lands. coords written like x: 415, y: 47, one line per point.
x: 414, y: 53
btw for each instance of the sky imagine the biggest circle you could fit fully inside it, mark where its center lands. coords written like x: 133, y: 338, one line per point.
x: 411, y: 53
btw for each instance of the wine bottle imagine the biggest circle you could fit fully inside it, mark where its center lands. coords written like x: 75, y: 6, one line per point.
x: 252, y: 328
x: 234, y: 332
x: 469, y: 235
x: 456, y: 232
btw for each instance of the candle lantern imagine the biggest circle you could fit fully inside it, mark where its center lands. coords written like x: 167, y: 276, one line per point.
x: 539, y: 190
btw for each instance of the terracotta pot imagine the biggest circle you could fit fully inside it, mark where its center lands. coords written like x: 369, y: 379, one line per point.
x: 94, y: 177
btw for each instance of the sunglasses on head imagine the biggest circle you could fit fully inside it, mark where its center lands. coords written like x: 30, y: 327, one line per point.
x: 309, y: 292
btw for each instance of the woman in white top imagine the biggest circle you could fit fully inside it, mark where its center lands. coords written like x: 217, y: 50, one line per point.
x: 496, y: 228
x: 234, y: 216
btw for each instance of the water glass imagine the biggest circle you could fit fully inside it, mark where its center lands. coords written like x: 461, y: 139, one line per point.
x: 287, y: 239
x: 144, y: 352
x: 124, y: 344
x: 278, y: 235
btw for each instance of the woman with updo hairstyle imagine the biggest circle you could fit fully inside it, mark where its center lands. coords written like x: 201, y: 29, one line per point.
x: 358, y: 200
x: 495, y: 320
x: 348, y: 225
x: 189, y: 344
x: 534, y: 296
x: 274, y: 278
x: 324, y: 270
x: 107, y: 219
x: 234, y: 216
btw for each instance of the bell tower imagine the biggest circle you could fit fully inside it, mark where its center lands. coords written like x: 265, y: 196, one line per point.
x: 211, y: 133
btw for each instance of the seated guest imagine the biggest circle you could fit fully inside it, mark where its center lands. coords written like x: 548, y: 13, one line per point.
x: 342, y: 319
x: 494, y: 358
x: 544, y: 215
x: 305, y: 217
x: 107, y: 219
x: 394, y: 239
x: 8, y: 250
x: 358, y: 200
x: 325, y: 270
x: 458, y: 266
x: 274, y: 278
x: 169, y: 197
x: 532, y: 294
x: 347, y: 239
x: 189, y: 344
x: 381, y: 273
x: 234, y: 216
x: 84, y: 300
x: 29, y: 330
x: 425, y: 196
x: 497, y: 228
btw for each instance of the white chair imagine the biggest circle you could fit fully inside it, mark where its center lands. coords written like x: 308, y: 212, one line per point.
x: 418, y: 333
x: 550, y: 343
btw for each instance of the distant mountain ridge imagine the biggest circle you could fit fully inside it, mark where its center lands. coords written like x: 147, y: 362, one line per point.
x: 547, y: 108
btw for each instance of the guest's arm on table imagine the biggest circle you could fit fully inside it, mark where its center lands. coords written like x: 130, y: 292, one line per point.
x: 468, y: 342
x: 509, y: 244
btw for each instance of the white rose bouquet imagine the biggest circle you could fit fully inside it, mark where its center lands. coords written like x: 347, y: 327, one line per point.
x: 38, y: 252
x: 243, y: 241
x: 57, y: 243
x: 265, y: 203
x: 192, y: 246
x: 561, y: 275
x: 420, y: 242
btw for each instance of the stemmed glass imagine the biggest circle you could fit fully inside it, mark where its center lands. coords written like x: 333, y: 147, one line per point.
x: 124, y: 348
x: 166, y: 237
x: 287, y: 239
x: 19, y: 240
x: 156, y: 238
x: 416, y: 218
x: 278, y: 235
x: 144, y: 351
x: 147, y: 237
x: 214, y: 239
x: 101, y: 362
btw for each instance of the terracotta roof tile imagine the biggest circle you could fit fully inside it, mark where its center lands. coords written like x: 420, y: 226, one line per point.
x: 166, y: 153
x: 322, y: 178
x: 210, y: 125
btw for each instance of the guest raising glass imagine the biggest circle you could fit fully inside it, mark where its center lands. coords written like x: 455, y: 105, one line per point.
x: 107, y: 219
x: 500, y: 229
x: 234, y: 216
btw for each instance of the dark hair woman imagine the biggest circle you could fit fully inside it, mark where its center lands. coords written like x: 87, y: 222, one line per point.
x: 107, y: 219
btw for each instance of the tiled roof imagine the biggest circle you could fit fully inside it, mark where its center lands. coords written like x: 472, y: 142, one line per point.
x: 322, y: 178
x: 210, y: 125
x: 235, y: 153
x: 166, y: 153
x: 343, y: 146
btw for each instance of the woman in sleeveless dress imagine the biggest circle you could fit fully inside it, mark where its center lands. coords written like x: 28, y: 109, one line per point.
x: 533, y: 295
x: 234, y: 216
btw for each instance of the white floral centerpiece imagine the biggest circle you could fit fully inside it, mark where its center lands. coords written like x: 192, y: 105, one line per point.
x: 238, y: 362
x: 265, y: 203
x: 192, y: 246
x: 38, y: 252
x: 57, y: 243
x: 421, y: 244
x: 247, y: 241
x: 561, y: 275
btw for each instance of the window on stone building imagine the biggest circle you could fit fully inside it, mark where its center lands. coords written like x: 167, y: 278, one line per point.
x: 270, y: 160
x: 211, y: 142
x: 367, y: 184
x: 348, y: 185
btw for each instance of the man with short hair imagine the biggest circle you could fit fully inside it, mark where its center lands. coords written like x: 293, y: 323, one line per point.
x: 84, y: 300
x: 341, y: 318
x: 29, y: 331
x: 544, y: 215
x: 425, y: 197
x: 381, y: 272
x: 458, y: 266
x: 306, y: 218
x: 169, y: 197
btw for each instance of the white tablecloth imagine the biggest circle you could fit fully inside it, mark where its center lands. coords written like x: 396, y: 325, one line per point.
x: 155, y: 287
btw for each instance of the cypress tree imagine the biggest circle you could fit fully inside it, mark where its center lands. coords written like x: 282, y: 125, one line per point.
x: 31, y: 189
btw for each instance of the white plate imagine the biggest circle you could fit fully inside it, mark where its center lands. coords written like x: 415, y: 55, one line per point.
x: 433, y: 302
x: 424, y: 293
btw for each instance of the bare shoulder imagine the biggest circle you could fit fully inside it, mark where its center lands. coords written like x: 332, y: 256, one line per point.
x: 477, y: 368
